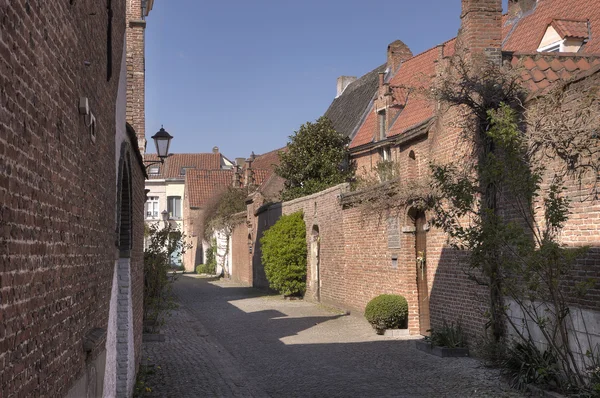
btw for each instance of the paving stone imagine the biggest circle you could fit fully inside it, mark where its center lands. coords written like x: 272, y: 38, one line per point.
x: 226, y: 340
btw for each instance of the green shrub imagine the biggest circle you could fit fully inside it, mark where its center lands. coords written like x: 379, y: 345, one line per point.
x: 210, y: 261
x: 525, y: 364
x: 387, y: 311
x: 450, y: 336
x: 205, y: 269
x: 284, y: 255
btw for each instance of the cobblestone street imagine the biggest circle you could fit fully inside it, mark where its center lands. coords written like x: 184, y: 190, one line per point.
x: 231, y: 341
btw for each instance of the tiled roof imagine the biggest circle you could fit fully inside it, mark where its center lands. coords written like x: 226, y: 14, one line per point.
x: 528, y: 31
x: 260, y: 175
x: 540, y: 70
x: 522, y: 36
x: 203, y: 185
x: 267, y: 160
x: 575, y: 29
x: 346, y: 110
x: 264, y: 166
x: 175, y: 162
x: 416, y: 73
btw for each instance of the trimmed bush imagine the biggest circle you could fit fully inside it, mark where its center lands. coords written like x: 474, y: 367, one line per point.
x: 387, y: 311
x: 284, y: 255
x: 205, y: 269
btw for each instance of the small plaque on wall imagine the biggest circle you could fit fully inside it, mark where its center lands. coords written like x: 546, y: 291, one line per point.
x: 393, y: 233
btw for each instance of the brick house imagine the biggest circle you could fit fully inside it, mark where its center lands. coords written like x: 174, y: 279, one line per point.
x: 203, y: 188
x: 71, y: 266
x: 165, y: 186
x: 353, y: 257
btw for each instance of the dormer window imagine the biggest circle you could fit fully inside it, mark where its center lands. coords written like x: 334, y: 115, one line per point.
x: 154, y: 170
x: 564, y: 36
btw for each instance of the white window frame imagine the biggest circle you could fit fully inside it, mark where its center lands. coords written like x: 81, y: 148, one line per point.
x: 558, y: 46
x: 176, y: 215
x: 154, y: 170
x: 152, y: 207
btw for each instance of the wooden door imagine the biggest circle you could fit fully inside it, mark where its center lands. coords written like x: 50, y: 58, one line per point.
x: 421, y: 262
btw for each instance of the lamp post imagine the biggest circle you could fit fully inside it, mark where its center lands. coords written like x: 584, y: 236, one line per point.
x: 165, y: 216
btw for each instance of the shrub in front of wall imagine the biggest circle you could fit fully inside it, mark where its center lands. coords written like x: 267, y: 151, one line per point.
x: 387, y: 311
x: 284, y: 255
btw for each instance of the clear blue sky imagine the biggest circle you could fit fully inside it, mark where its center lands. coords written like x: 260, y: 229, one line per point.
x: 244, y: 75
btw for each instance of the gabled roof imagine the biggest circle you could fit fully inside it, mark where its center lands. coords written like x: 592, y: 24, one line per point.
x: 268, y: 160
x: 172, y: 166
x: 521, y: 35
x: 574, y: 29
x: 264, y: 166
x: 203, y: 185
x: 413, y: 75
x: 346, y: 110
x: 527, y: 32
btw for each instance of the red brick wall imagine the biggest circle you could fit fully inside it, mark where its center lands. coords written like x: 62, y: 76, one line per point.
x: 57, y: 191
x: 136, y: 71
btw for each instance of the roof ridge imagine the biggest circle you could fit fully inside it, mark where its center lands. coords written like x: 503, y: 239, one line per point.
x: 428, y: 50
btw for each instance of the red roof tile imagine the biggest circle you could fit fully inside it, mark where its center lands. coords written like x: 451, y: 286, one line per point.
x: 173, y: 165
x: 562, y: 67
x: 575, y: 29
x: 566, y: 16
x: 521, y: 35
x: 415, y: 73
x: 267, y: 160
x: 203, y: 185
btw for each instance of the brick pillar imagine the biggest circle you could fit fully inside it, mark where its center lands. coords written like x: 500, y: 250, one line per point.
x: 136, y: 71
x: 480, y: 34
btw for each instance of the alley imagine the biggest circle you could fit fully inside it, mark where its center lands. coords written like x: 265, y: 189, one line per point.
x: 225, y: 340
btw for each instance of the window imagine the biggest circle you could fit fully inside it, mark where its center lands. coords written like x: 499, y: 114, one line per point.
x: 174, y: 206
x: 183, y: 170
x: 382, y: 124
x: 152, y: 207
x: 386, y: 153
x: 552, y: 48
x: 153, y: 170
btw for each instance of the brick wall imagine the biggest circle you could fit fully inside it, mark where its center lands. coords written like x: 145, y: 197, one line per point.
x: 58, y: 191
x: 136, y: 71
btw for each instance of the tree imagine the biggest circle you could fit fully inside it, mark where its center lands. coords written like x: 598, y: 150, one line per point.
x: 162, y: 242
x: 505, y: 209
x: 316, y: 159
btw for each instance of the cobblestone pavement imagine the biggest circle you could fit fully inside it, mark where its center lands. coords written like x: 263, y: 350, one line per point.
x: 231, y: 341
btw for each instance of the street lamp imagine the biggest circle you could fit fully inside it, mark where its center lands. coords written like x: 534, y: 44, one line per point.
x: 162, y: 141
x: 165, y: 216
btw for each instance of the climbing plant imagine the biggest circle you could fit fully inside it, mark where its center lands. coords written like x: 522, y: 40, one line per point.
x: 505, y: 204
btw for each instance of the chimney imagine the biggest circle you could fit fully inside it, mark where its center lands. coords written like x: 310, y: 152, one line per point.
x: 517, y: 8
x: 343, y: 82
x: 237, y: 177
x: 248, y: 172
x: 397, y: 52
x: 215, y: 149
x: 480, y: 32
